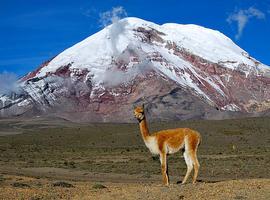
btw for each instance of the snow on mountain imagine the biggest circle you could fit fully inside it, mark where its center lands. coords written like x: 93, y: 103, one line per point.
x: 96, y: 52
x: 134, y: 58
x: 111, y: 41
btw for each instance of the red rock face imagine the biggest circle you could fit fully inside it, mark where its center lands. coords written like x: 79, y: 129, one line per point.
x: 239, y: 89
x: 35, y: 72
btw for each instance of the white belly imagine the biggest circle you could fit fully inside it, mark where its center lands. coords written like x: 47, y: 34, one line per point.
x: 152, y: 145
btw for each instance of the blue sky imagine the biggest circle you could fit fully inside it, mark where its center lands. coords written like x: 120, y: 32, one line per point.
x: 33, y: 31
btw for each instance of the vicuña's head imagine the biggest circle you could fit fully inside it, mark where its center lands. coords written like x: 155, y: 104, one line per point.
x: 139, y: 113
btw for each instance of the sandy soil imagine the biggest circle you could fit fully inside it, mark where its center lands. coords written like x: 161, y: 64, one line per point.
x: 36, y: 188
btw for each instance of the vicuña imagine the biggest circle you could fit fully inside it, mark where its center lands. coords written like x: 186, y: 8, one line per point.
x: 171, y: 141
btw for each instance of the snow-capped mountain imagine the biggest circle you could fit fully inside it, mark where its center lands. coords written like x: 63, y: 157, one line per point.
x: 179, y: 71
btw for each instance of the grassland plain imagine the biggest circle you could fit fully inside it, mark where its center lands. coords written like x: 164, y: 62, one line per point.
x: 35, y: 153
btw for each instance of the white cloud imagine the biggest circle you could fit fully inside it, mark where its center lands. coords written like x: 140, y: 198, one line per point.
x: 241, y: 17
x: 8, y: 83
x: 112, y: 16
x: 115, y: 76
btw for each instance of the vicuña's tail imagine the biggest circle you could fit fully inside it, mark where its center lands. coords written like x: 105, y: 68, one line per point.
x: 200, y: 140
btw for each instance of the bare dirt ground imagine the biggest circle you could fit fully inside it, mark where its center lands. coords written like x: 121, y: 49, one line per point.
x: 35, y: 188
x: 56, y: 159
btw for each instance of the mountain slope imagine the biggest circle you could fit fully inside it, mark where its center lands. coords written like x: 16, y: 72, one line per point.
x: 180, y: 71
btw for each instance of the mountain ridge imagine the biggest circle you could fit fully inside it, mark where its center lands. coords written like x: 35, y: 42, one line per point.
x: 104, y: 74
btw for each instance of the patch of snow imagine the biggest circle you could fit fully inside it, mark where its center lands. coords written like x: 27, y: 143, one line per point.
x: 23, y: 103
x: 4, y: 98
x: 115, y: 94
x: 231, y: 107
x: 215, y: 86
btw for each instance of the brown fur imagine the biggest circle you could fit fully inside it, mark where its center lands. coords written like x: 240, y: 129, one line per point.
x: 171, y: 141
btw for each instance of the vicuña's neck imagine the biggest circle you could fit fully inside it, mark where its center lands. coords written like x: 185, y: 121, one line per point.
x: 144, y: 129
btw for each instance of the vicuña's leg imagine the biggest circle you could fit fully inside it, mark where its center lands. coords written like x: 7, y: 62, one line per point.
x: 163, y: 162
x: 189, y: 164
x: 196, y: 165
